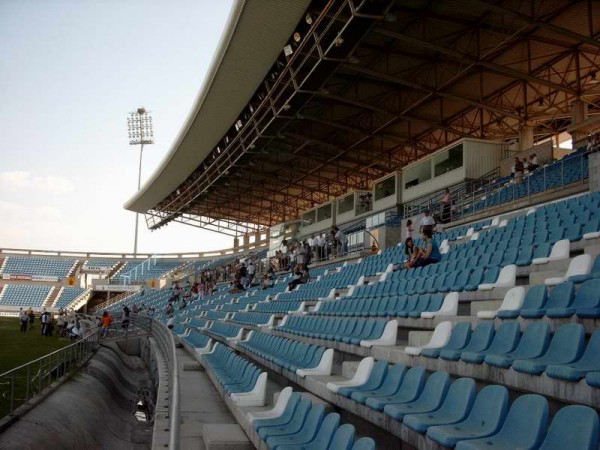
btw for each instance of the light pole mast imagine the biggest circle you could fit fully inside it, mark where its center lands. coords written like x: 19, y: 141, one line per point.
x: 139, y: 125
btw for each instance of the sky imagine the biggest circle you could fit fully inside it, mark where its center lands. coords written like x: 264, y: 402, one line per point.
x: 70, y: 72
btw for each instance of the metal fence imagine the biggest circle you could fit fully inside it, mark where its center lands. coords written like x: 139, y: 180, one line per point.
x: 19, y: 385
x: 503, y: 191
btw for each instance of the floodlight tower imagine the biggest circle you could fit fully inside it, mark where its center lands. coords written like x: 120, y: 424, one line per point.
x: 139, y: 124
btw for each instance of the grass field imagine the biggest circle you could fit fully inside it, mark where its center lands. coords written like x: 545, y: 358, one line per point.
x: 17, y: 348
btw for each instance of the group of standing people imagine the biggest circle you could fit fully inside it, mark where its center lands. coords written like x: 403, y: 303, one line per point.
x: 64, y: 322
x: 522, y: 166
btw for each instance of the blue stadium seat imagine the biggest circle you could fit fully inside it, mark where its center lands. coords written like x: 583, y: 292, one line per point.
x: 586, y: 302
x: 305, y: 434
x: 323, y: 437
x: 431, y: 398
x: 566, y: 346
x: 505, y: 340
x: 376, y: 378
x: 409, y: 390
x: 461, y: 333
x: 284, y: 418
x: 573, y: 427
x: 343, y: 438
x: 481, y: 338
x: 364, y: 443
x: 289, y: 424
x: 485, y: 418
x: 535, y: 299
x: 524, y: 428
x: 589, y: 362
x: 533, y: 343
x: 560, y: 296
x: 391, y: 384
x: 594, y: 273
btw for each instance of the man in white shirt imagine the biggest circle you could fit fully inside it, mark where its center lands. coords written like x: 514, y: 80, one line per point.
x: 251, y: 271
x: 342, y: 241
x: 427, y: 222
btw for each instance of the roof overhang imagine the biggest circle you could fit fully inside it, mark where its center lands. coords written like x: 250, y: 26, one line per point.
x: 254, y: 35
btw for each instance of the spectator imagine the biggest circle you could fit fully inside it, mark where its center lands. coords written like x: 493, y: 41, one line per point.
x: 374, y: 247
x: 125, y: 322
x: 533, y: 162
x: 301, y: 276
x: 31, y: 315
x: 171, y: 322
x: 322, y: 243
x: 106, y: 321
x: 409, y: 229
x: 46, y: 323
x: 429, y: 253
x: 342, y: 241
x: 427, y: 223
x: 24, y: 318
x: 446, y: 206
x: 518, y: 171
x: 251, y: 272
x: 169, y: 308
x: 411, y: 253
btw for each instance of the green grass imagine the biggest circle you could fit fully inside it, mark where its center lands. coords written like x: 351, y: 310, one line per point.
x: 18, y: 348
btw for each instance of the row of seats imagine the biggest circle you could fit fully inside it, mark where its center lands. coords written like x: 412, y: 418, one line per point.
x: 394, y: 306
x: 254, y: 319
x: 297, y: 357
x: 67, y: 295
x: 51, y: 267
x: 24, y: 295
x: 298, y: 424
x: 454, y: 414
x: 562, y: 301
x: 562, y: 354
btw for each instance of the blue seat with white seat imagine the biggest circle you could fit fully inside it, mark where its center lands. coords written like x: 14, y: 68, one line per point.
x: 376, y: 379
x: 480, y: 339
x: 461, y: 333
x: 535, y: 299
x: 391, y: 384
x: 409, y: 390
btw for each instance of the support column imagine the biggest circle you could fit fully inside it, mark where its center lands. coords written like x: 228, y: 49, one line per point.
x: 594, y: 172
x: 525, y: 138
x: 579, y: 113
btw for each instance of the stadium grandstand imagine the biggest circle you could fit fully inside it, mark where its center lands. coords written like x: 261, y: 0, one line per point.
x: 322, y: 132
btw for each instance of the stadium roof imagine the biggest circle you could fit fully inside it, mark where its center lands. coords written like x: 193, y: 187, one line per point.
x: 364, y: 88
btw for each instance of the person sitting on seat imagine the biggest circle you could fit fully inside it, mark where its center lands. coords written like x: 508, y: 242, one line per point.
x: 411, y: 253
x: 429, y: 253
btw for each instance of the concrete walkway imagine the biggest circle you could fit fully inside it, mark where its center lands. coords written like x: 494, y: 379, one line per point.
x: 200, y: 403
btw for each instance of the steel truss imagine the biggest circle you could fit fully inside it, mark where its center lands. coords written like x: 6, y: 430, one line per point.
x: 375, y: 85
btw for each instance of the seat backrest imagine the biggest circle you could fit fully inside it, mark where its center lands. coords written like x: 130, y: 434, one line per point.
x: 527, y: 421
x: 490, y: 408
x: 561, y: 295
x: 481, y: 337
x: 580, y: 265
x: 435, y: 388
x: 534, y: 340
x: 413, y: 381
x: 596, y: 266
x: 507, y: 276
x: 573, y: 427
x: 326, y: 432
x: 342, y: 438
x: 560, y: 249
x: 513, y: 299
x: 378, y: 373
x: 588, y: 295
x: 365, y: 443
x: 461, y: 333
x: 491, y: 275
x: 506, y: 337
x: 536, y: 297
x: 568, y: 342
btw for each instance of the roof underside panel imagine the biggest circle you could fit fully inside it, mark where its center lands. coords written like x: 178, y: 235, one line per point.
x: 372, y: 86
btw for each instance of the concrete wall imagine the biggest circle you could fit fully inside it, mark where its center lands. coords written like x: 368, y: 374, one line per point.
x: 594, y: 171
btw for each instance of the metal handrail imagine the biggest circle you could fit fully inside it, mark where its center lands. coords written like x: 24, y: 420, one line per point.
x: 42, y: 372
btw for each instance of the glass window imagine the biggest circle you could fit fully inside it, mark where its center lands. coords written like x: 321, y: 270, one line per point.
x: 417, y: 174
x: 365, y: 203
x: 385, y: 188
x: 449, y: 160
x: 356, y: 239
x: 345, y: 204
x: 375, y: 220
x: 324, y: 213
x: 308, y: 218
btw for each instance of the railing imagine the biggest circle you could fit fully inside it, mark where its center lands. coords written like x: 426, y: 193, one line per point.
x: 19, y: 385
x: 166, y: 342
x: 480, y: 199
